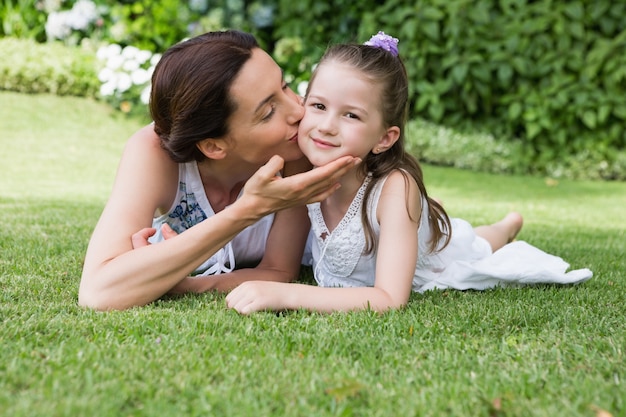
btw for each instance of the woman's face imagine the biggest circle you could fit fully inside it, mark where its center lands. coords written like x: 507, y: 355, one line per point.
x: 267, y: 113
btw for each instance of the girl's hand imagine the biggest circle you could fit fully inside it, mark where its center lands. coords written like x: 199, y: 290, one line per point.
x: 253, y: 296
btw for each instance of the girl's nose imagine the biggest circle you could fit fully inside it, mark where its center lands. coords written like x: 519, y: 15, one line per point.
x: 327, y: 125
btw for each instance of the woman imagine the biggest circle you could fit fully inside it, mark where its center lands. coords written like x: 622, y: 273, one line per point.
x: 225, y: 123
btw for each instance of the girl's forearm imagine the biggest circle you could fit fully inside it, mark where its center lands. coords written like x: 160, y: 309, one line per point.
x: 329, y: 300
x: 253, y: 296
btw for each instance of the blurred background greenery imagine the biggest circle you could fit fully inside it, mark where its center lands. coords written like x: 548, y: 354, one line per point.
x: 503, y: 86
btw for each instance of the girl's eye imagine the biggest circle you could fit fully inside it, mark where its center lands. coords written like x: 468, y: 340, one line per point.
x: 318, y: 106
x: 352, y: 116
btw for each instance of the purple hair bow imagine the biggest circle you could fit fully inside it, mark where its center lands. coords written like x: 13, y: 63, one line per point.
x: 386, y: 42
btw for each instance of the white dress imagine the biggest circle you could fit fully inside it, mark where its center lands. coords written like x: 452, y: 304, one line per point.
x: 466, y: 263
x: 191, y: 206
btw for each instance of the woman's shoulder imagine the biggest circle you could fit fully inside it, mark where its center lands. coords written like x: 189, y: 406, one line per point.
x: 145, y: 145
x: 145, y: 138
x: 145, y: 165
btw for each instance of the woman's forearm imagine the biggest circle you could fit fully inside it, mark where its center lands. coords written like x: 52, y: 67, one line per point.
x: 140, y: 276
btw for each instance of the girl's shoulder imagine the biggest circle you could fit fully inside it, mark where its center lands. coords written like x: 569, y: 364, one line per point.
x: 396, y: 188
x: 399, y: 180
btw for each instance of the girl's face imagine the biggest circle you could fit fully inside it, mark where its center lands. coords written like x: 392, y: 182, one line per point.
x: 267, y: 113
x: 342, y: 116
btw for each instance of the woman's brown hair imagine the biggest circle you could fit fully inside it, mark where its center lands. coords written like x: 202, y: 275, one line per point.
x: 190, y: 99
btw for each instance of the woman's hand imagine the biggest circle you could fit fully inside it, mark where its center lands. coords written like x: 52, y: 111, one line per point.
x: 268, y: 192
x: 140, y: 239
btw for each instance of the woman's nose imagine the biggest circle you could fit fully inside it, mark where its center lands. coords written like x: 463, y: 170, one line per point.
x: 296, y: 110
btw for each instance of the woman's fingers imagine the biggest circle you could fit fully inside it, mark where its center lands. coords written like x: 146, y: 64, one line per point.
x: 320, y: 182
x: 167, y: 231
x: 140, y: 238
x: 272, y: 192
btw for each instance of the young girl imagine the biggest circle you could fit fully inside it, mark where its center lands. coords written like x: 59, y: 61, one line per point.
x: 380, y: 235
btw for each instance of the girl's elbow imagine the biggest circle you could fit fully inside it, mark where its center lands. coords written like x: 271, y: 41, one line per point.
x: 393, y: 303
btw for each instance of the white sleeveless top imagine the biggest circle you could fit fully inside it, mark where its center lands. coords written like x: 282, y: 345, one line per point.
x: 191, y: 206
x: 466, y: 263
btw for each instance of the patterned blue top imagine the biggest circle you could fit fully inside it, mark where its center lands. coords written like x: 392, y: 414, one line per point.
x: 192, y: 206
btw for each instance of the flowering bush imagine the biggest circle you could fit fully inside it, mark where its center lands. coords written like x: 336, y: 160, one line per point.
x: 126, y: 76
x: 74, y: 24
x: 53, y: 68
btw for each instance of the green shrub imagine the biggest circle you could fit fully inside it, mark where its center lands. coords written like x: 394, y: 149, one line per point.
x: 312, y: 25
x: 546, y: 78
x: 479, y: 151
x: 549, y: 74
x: 23, y: 19
x: 31, y: 67
x: 476, y: 151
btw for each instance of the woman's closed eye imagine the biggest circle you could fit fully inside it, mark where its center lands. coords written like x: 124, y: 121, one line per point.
x: 285, y: 88
x: 270, y: 113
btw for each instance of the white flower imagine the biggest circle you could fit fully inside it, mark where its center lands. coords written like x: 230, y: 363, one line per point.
x: 155, y: 59
x: 143, y: 56
x: 56, y: 27
x: 140, y: 76
x: 130, y: 65
x: 108, y: 51
x: 145, y: 94
x: 101, y: 53
x: 105, y: 74
x: 123, y: 82
x: 115, y: 62
x: 50, y: 6
x: 302, y: 86
x: 82, y: 14
x: 130, y: 52
x: 114, y: 50
x: 107, y: 89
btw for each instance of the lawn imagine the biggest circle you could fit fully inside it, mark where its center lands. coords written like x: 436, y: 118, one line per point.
x: 535, y: 351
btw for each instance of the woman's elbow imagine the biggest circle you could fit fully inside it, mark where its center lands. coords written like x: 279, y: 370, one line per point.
x: 97, y: 300
x: 89, y: 299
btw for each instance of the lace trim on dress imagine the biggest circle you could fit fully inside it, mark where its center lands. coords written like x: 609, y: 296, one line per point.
x: 341, y: 249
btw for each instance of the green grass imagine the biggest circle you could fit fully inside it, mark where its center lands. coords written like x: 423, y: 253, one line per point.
x: 539, y: 351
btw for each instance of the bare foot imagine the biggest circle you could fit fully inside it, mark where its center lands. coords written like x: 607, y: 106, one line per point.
x: 513, y: 222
